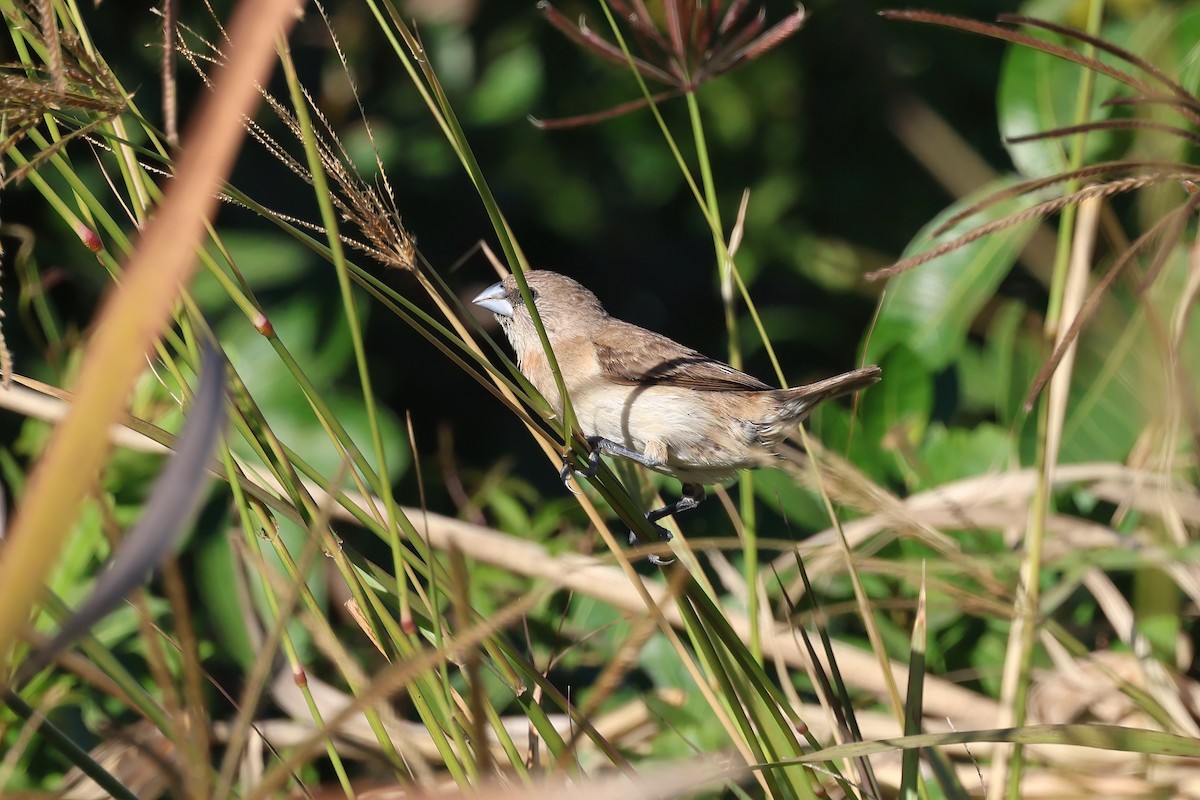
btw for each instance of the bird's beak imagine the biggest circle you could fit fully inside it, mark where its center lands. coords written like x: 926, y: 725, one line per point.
x: 492, y: 298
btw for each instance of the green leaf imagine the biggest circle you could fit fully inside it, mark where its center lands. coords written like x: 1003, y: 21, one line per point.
x: 952, y: 454
x: 899, y: 405
x: 1186, y: 34
x: 994, y: 378
x: 930, y: 308
x: 508, y: 87
x: 1040, y: 92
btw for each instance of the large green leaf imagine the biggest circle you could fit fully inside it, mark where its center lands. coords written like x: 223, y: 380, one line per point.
x: 930, y: 308
x: 900, y: 405
x: 995, y: 377
x: 951, y: 454
x: 1040, y: 92
x: 1186, y: 39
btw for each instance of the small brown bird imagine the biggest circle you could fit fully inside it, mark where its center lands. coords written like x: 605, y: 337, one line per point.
x: 644, y: 397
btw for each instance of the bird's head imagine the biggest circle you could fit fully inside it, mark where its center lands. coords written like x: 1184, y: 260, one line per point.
x: 566, y: 309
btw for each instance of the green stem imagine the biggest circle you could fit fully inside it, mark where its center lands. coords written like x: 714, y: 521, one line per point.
x: 725, y: 274
x: 1028, y: 595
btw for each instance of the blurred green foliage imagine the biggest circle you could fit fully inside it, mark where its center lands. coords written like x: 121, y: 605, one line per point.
x: 811, y: 131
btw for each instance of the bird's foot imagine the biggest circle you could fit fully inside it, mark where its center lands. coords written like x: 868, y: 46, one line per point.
x: 664, y: 535
x: 693, y: 495
x: 568, y: 473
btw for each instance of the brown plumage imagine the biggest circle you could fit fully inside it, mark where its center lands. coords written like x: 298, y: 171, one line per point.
x: 642, y: 396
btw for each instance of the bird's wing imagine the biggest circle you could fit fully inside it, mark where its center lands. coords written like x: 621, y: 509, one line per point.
x: 635, y: 356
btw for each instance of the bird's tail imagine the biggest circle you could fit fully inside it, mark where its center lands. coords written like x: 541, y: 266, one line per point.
x: 790, y: 406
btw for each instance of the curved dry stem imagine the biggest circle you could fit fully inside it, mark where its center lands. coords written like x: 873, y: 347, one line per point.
x: 1182, y: 103
x: 1177, y: 90
x: 995, y: 31
x: 1107, y: 125
x: 619, y: 110
x: 1035, y: 184
x: 1040, y: 210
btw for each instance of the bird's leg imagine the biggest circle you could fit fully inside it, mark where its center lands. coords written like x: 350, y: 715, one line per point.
x: 693, y: 495
x: 601, y: 446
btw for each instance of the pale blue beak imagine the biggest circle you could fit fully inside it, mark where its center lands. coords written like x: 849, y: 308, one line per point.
x: 493, y: 299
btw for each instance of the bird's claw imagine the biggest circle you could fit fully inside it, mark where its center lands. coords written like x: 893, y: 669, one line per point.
x: 568, y: 473
x: 664, y: 535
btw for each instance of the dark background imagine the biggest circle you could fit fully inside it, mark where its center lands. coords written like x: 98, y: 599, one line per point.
x: 806, y: 128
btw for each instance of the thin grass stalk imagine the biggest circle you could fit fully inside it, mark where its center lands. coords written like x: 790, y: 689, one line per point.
x: 1050, y: 419
x: 1186, y: 409
x: 329, y: 644
x: 338, y: 436
x: 308, y: 511
x: 776, y: 724
x: 277, y: 636
x: 1101, y: 737
x: 390, y: 680
x: 117, y: 680
x: 431, y: 700
x: 29, y: 294
x: 88, y: 202
x: 25, y: 734
x: 435, y: 710
x: 73, y: 753
x: 473, y: 710
x: 89, y: 205
x: 434, y: 719
x: 129, y: 325
x: 717, y: 230
x: 440, y: 105
x: 707, y: 652
x: 862, y: 601
x: 832, y: 692
x: 725, y: 277
x: 170, y: 94
x: 515, y: 760
x: 911, y: 784
x: 701, y: 680
x: 460, y: 727
x: 713, y: 223
x: 623, y: 661
x: 329, y: 220
x: 161, y: 677
x: 560, y: 750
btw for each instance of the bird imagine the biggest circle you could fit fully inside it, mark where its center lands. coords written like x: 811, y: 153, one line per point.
x: 641, y: 396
